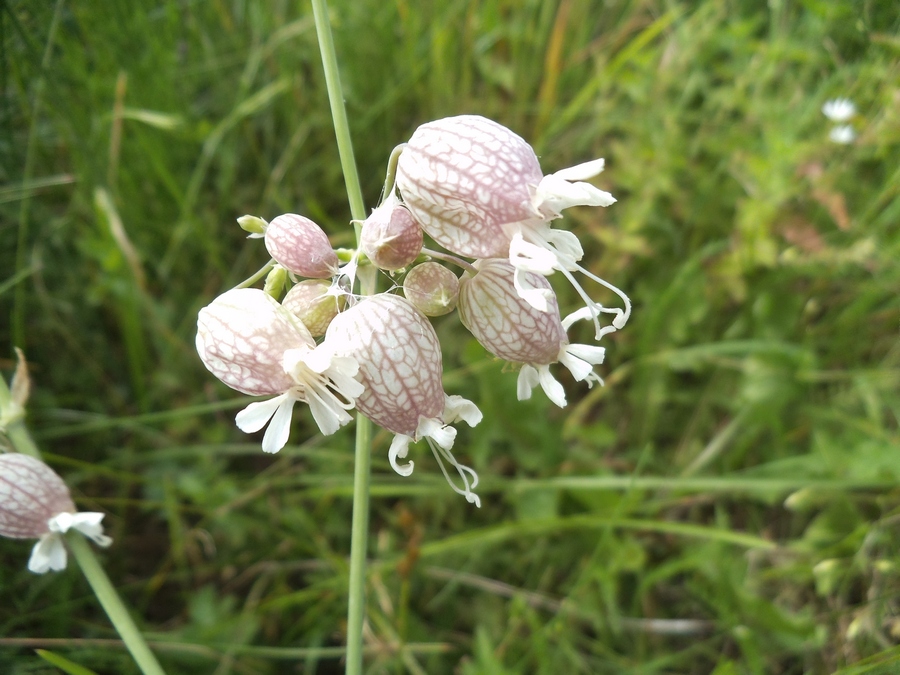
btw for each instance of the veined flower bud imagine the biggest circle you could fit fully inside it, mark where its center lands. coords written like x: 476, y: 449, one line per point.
x: 35, y: 504
x: 491, y: 307
x: 254, y: 345
x: 390, y: 237
x: 301, y: 246
x: 432, y: 288
x: 400, y: 365
x: 311, y: 302
x: 477, y: 188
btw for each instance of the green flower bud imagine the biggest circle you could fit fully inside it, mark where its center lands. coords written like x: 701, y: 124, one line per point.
x: 432, y: 288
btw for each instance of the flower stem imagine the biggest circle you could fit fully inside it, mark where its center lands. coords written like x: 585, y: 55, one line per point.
x: 359, y: 534
x: 112, y: 604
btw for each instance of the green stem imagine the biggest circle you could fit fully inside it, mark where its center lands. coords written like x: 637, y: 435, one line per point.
x: 390, y: 177
x: 112, y: 604
x: 359, y: 534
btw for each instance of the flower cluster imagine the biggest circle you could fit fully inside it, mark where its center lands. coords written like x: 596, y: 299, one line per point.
x: 476, y: 189
x: 840, y: 111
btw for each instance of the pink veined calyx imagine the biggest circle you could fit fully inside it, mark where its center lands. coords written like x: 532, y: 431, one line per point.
x: 35, y: 504
x: 478, y: 189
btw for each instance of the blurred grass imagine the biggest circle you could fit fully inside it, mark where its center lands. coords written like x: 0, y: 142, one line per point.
x: 643, y: 529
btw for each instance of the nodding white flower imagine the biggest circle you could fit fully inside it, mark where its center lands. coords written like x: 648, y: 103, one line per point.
x: 301, y: 247
x: 477, y: 188
x: 400, y: 365
x: 254, y: 345
x: 390, y: 237
x: 839, y: 109
x: 843, y: 134
x: 512, y: 329
x: 35, y: 504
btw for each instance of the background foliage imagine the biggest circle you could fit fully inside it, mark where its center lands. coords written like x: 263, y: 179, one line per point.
x: 726, y: 504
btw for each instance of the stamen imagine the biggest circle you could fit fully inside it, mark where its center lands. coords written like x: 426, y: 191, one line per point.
x: 464, y: 471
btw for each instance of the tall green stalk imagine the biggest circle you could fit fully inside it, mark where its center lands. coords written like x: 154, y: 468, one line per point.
x: 356, y: 605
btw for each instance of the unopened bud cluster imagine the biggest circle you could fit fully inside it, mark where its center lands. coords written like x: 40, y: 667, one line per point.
x: 476, y: 189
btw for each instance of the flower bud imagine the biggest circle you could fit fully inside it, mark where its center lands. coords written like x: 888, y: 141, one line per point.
x: 311, y: 302
x: 255, y: 225
x: 390, y: 237
x: 301, y: 246
x: 35, y: 504
x: 432, y: 288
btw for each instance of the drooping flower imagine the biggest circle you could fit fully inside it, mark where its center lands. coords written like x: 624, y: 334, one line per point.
x: 839, y: 109
x: 400, y: 365
x: 301, y: 247
x: 35, y: 504
x: 254, y: 345
x: 512, y: 329
x: 390, y: 237
x: 478, y: 189
x: 432, y: 289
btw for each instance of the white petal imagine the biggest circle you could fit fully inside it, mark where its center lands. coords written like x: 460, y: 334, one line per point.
x: 327, y: 412
x: 88, y: 523
x: 588, y: 353
x: 582, y: 171
x: 839, y: 109
x: 566, y: 243
x: 578, y: 315
x: 556, y: 194
x: 531, y: 257
x: 276, y: 436
x: 49, y: 553
x: 399, y: 449
x: 254, y: 416
x: 459, y: 408
x: 842, y: 134
x: 528, y: 380
x: 539, y: 298
x: 580, y: 369
x: 434, y: 429
x: 551, y: 387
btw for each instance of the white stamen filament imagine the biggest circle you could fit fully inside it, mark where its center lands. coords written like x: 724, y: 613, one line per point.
x: 465, y: 473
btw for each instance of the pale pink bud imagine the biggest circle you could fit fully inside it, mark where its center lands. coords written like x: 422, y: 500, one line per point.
x: 491, y: 307
x: 35, y: 504
x: 477, y: 188
x: 400, y: 365
x: 254, y: 345
x: 432, y: 288
x: 390, y: 237
x: 301, y: 246
x: 312, y: 303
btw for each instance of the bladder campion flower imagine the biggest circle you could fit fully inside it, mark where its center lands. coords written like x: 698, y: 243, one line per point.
x: 254, y: 345
x: 301, y: 247
x: 35, y: 504
x: 401, y: 366
x: 514, y: 330
x: 843, y: 134
x: 477, y: 188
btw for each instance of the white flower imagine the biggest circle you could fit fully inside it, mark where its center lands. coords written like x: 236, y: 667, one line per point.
x: 843, y: 134
x: 254, y: 345
x: 401, y: 366
x: 35, y: 503
x: 513, y: 329
x: 839, y: 110
x: 478, y: 189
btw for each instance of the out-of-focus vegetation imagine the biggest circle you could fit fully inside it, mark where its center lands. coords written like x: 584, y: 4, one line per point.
x: 728, y: 503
